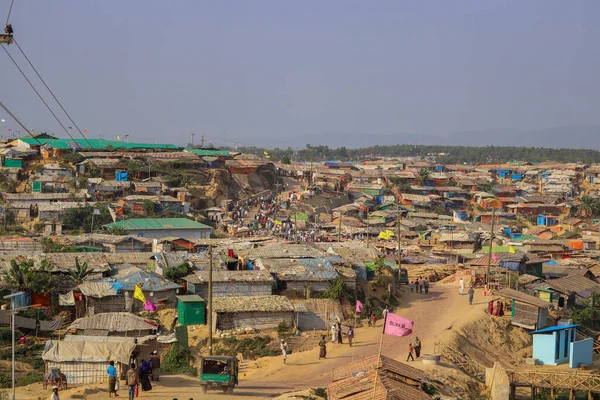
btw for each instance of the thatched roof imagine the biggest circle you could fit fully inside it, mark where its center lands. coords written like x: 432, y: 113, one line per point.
x: 252, y: 304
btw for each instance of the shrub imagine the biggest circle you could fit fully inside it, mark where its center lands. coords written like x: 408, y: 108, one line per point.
x: 5, y: 335
x: 282, y: 328
x: 178, y: 360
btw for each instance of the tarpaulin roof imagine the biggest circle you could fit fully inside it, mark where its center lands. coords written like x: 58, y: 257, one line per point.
x: 61, y: 351
x: 97, y: 289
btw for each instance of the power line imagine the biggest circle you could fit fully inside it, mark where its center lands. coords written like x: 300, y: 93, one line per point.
x: 19, y: 122
x: 52, y: 93
x: 9, y: 11
x: 38, y: 93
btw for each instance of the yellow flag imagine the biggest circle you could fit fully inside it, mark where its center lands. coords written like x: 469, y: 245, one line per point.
x: 118, y: 137
x: 512, y: 250
x: 137, y: 294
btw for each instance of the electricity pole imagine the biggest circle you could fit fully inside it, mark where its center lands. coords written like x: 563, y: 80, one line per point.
x: 193, y: 134
x: 399, y: 238
x: 210, y: 305
x: 489, y: 261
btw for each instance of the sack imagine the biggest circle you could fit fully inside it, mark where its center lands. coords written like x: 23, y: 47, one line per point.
x: 137, y: 390
x: 117, y: 385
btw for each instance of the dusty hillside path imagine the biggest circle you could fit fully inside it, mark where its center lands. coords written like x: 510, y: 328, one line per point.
x: 433, y: 314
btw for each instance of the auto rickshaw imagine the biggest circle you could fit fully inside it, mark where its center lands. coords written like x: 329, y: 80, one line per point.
x: 219, y: 373
x: 403, y: 275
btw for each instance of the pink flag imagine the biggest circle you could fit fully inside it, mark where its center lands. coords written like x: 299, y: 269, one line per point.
x: 149, y: 306
x: 359, y: 306
x: 396, y: 325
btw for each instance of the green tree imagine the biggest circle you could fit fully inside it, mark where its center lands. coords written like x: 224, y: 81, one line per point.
x: 16, y: 275
x: 591, y: 205
x: 178, y: 272
x: 81, y: 218
x: 149, y: 207
x: 81, y: 271
x: 423, y: 176
x: 285, y: 159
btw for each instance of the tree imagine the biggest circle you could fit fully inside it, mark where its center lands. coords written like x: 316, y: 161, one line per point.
x: 17, y: 273
x: 81, y: 218
x: 178, y: 272
x: 423, y: 176
x: 22, y: 276
x: 149, y: 207
x: 591, y: 205
x: 285, y: 160
x: 81, y: 271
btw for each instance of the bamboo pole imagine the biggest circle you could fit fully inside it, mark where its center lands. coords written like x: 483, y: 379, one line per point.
x: 379, y: 357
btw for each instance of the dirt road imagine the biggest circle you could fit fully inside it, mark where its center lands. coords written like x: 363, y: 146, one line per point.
x: 433, y: 313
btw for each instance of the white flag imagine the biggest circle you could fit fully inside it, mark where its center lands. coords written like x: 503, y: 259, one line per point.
x: 457, y: 218
x: 112, y: 214
x: 96, y: 211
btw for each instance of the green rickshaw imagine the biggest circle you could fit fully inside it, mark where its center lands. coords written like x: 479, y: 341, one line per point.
x: 403, y: 275
x: 218, y: 373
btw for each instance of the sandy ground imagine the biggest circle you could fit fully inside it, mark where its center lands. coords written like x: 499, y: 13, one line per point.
x: 268, y: 377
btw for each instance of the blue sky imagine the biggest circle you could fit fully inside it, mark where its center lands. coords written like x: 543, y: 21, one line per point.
x: 234, y: 70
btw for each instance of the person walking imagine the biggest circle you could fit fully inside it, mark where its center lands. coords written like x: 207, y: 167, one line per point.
x: 339, y: 333
x: 373, y: 320
x: 471, y: 294
x: 421, y: 285
x: 350, y: 335
x: 112, y: 379
x: 384, y: 313
x: 412, y: 286
x: 155, y: 360
x: 410, y: 352
x: 132, y: 381
x: 417, y: 347
x: 461, y: 286
x: 54, y: 393
x: 426, y: 285
x: 284, y: 350
x: 333, y: 333
x: 369, y: 313
x: 323, y: 348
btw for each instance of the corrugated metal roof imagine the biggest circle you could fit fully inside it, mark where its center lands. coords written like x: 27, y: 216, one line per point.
x: 95, y: 144
x: 158, y: 223
x: 260, y: 276
x: 523, y: 297
x: 147, y: 281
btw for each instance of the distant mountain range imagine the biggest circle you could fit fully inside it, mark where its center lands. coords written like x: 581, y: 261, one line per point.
x: 574, y: 137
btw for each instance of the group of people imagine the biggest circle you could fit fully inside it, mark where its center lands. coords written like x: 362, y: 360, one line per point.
x: 148, y: 370
x: 419, y: 285
x: 414, y: 347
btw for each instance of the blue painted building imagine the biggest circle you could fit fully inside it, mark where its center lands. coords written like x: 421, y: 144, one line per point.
x: 551, y: 346
x: 547, y: 220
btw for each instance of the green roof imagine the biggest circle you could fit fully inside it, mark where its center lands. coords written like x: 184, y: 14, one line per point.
x: 190, y: 298
x: 158, y: 223
x: 96, y: 144
x: 208, y: 152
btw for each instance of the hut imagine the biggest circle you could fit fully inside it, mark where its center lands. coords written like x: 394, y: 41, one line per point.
x: 557, y: 344
x: 257, y: 312
x: 113, y: 324
x: 527, y: 311
x: 231, y: 283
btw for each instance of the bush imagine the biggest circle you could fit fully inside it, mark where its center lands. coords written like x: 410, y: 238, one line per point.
x: 250, y: 347
x: 30, y: 378
x: 178, y: 360
x: 5, y: 335
x: 282, y: 328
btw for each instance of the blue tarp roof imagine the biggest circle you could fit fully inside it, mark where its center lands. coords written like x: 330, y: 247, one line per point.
x: 319, y: 268
x: 147, y: 281
x: 554, y: 329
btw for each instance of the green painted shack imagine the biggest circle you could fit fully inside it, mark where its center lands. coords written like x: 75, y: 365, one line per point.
x: 191, y: 310
x: 13, y: 163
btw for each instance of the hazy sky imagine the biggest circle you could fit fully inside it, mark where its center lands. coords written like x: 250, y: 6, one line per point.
x: 160, y: 70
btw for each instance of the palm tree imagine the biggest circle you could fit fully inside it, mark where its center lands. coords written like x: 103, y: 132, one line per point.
x: 423, y: 176
x: 590, y: 205
x: 81, y: 271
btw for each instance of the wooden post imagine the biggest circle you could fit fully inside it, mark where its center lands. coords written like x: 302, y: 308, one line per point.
x: 513, y: 392
x: 210, y: 305
x: 572, y: 394
x: 533, y: 392
x: 489, y: 261
x: 552, y: 393
x: 378, y: 358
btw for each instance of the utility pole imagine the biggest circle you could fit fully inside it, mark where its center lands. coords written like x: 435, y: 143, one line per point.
x: 367, y: 225
x: 339, y: 227
x: 489, y: 261
x: 210, y: 305
x: 193, y: 134
x: 399, y: 238
x: 202, y: 141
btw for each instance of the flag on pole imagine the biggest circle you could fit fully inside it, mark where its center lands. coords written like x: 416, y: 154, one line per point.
x: 118, y: 137
x: 359, y: 306
x: 149, y: 306
x: 138, y: 294
x: 112, y: 214
x: 96, y: 211
x: 84, y: 130
x: 396, y: 325
x: 456, y: 218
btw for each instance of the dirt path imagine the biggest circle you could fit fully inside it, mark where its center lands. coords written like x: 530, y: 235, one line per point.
x: 433, y: 313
